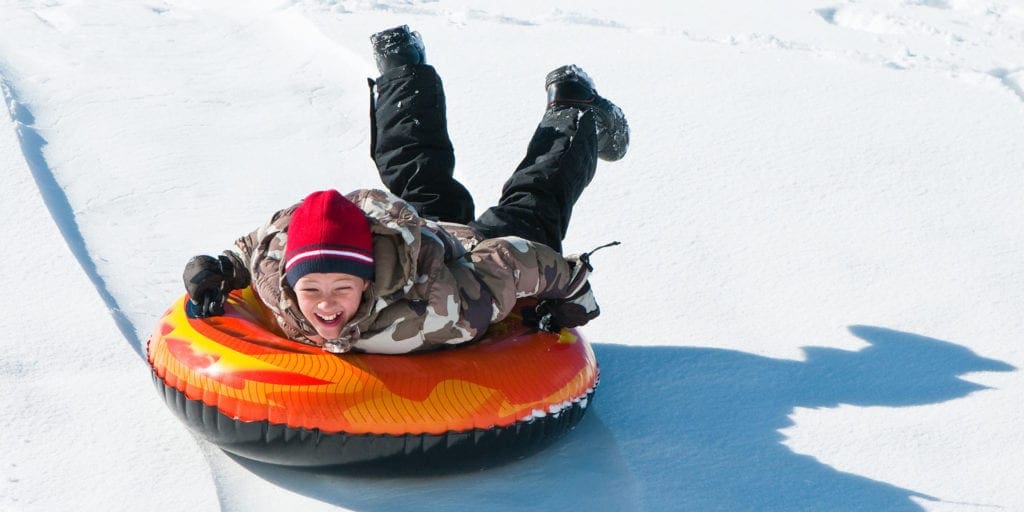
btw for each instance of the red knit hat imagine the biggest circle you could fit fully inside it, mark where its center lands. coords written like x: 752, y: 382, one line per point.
x: 328, y: 233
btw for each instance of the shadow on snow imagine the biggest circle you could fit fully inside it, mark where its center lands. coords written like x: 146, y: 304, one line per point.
x: 56, y: 201
x: 687, y: 428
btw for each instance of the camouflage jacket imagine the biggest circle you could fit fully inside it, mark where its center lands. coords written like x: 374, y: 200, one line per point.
x: 436, y: 283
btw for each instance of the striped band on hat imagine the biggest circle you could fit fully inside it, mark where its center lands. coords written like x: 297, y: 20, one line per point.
x: 326, y: 252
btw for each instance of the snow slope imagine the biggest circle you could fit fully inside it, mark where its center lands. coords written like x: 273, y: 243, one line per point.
x: 816, y: 306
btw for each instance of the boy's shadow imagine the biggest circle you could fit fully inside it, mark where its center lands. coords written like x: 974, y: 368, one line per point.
x: 680, y: 428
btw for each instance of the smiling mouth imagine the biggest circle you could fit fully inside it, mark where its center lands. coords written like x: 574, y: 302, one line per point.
x: 329, y: 319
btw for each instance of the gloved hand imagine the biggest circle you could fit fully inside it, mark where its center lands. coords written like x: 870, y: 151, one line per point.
x: 208, y: 280
x: 553, y: 315
x: 579, y: 306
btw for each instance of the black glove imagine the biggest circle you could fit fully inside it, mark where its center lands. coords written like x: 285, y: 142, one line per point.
x: 553, y: 315
x: 579, y: 306
x: 208, y: 280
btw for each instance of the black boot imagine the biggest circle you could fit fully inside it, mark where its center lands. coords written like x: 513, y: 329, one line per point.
x: 396, y: 47
x: 570, y: 86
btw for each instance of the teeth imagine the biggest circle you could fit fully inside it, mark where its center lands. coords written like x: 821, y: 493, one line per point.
x: 328, y: 318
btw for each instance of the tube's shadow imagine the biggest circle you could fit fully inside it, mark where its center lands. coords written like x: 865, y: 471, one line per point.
x: 688, y: 429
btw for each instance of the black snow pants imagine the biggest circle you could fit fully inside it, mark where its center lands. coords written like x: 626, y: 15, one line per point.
x: 416, y: 161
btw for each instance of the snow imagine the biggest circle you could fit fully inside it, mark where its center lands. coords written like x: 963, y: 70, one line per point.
x: 816, y: 305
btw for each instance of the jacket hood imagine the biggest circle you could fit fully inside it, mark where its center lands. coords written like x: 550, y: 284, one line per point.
x: 396, y: 230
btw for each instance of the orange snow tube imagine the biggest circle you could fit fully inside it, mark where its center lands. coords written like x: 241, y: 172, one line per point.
x: 256, y: 394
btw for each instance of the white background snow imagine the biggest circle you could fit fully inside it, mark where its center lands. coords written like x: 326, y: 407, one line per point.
x: 817, y: 304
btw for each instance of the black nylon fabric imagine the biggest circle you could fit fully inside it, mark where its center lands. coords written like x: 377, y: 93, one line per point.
x: 416, y: 161
x: 537, y: 200
x: 412, y: 149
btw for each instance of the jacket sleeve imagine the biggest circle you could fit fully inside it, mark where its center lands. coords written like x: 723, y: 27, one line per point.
x: 266, y: 242
x: 513, y: 268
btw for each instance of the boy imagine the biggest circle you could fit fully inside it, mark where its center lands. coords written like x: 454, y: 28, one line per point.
x: 373, y: 272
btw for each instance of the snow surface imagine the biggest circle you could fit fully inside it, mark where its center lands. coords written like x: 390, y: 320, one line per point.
x: 816, y: 306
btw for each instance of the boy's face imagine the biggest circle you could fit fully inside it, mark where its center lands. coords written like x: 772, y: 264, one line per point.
x: 329, y: 301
